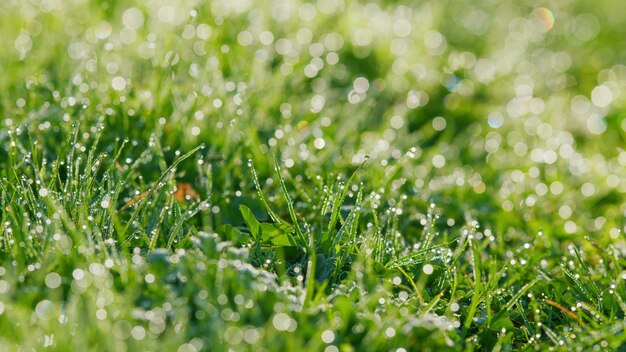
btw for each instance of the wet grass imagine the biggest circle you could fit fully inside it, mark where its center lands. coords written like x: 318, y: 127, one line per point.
x: 351, y: 177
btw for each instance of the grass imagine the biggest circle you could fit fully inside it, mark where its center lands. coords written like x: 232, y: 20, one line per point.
x: 332, y: 176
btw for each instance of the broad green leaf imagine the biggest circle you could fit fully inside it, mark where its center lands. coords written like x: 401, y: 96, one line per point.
x: 251, y: 221
x: 503, y: 322
x: 277, y: 235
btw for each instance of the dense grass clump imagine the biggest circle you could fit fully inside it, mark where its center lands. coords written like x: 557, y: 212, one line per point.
x: 319, y: 176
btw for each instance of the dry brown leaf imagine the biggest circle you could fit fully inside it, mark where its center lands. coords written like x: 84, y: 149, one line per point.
x: 185, y: 192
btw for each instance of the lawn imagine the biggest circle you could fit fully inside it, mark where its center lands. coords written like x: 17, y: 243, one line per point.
x: 243, y: 175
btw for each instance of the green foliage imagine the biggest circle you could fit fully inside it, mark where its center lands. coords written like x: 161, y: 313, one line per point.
x: 326, y: 176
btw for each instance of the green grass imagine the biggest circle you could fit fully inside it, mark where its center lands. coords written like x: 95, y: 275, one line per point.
x: 324, y: 176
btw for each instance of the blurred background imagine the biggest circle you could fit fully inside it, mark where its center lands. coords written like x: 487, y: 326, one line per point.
x: 509, y: 111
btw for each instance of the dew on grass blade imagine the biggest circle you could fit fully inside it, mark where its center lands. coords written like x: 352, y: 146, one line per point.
x: 105, y: 202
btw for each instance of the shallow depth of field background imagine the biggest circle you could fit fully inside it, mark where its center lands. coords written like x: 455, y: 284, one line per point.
x: 487, y: 208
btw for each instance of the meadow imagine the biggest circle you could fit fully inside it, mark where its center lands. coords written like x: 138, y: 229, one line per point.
x: 284, y: 175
